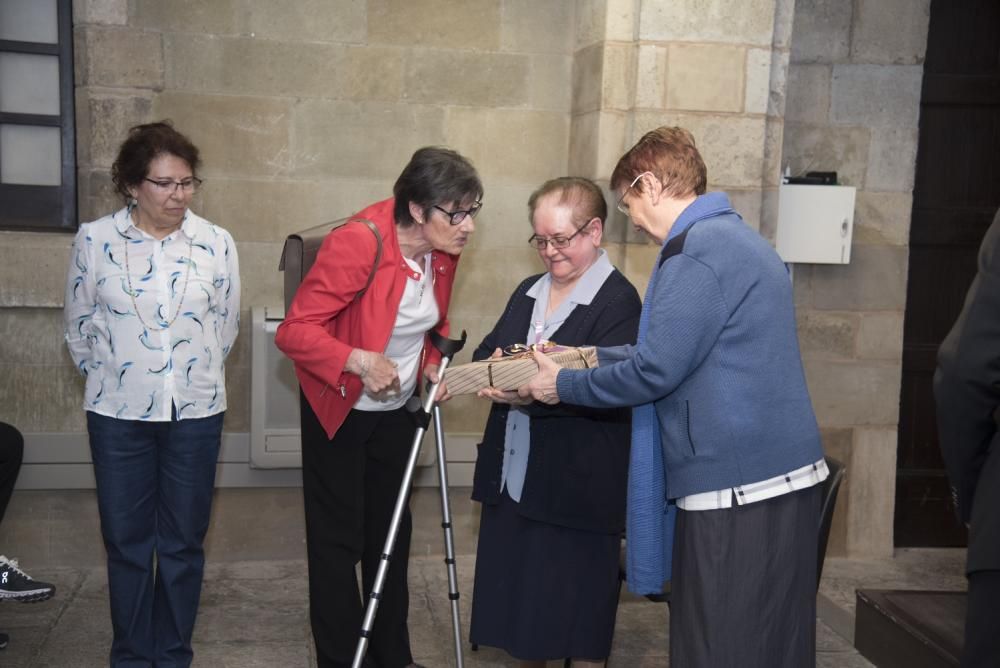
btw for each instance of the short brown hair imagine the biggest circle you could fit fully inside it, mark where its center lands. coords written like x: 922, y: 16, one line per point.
x: 582, y: 194
x: 143, y: 145
x: 669, y: 154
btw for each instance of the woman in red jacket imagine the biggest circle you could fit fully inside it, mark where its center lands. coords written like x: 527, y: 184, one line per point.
x: 358, y: 359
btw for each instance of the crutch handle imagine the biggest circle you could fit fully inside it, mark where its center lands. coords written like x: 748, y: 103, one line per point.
x: 448, y: 347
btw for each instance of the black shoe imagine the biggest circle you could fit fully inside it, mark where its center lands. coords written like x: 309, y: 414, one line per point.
x: 3, y: 640
x: 16, y: 585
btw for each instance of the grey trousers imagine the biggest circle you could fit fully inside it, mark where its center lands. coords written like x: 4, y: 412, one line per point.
x: 744, y: 584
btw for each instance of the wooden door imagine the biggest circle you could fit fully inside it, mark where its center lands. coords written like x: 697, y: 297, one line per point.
x: 956, y: 194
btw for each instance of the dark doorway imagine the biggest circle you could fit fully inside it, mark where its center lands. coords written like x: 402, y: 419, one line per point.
x: 956, y: 194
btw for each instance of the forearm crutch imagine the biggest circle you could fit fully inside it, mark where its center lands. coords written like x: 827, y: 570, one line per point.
x: 448, y: 348
x: 449, y: 540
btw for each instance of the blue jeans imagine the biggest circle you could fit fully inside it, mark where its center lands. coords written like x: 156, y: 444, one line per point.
x: 154, y: 493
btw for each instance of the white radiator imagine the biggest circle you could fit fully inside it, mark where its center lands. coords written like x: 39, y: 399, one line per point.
x: 275, y: 441
x: 274, y: 397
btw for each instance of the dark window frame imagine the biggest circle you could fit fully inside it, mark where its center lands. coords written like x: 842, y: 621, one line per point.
x: 47, y: 208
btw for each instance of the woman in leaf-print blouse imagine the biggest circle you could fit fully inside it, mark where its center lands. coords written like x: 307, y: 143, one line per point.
x: 152, y: 310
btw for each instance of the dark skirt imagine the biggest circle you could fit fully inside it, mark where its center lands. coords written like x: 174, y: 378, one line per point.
x: 543, y: 591
x: 744, y: 585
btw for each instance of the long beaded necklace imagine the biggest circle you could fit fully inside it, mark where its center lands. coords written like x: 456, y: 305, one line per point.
x: 427, y: 275
x: 131, y: 290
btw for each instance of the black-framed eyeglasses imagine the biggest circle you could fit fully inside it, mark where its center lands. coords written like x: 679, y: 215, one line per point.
x: 541, y: 243
x: 621, y: 205
x: 171, y: 186
x: 456, y: 217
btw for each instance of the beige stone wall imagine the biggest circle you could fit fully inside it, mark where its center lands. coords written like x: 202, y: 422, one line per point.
x: 852, y: 106
x: 715, y: 67
x: 304, y: 112
x: 307, y: 110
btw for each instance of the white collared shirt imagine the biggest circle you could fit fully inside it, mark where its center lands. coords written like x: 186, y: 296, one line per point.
x: 786, y: 483
x: 156, y: 336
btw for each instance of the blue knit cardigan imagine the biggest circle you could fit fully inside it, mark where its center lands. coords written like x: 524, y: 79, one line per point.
x: 716, y: 378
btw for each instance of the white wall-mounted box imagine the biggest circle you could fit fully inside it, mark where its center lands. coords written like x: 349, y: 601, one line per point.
x: 815, y: 223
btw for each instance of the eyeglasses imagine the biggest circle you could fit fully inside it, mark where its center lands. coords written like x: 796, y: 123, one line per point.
x: 541, y: 243
x: 456, y: 217
x: 170, y: 186
x: 621, y: 205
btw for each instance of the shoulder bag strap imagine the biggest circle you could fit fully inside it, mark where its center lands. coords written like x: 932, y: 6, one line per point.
x: 378, y: 253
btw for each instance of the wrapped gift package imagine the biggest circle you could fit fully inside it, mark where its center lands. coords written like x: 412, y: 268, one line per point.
x: 510, y: 373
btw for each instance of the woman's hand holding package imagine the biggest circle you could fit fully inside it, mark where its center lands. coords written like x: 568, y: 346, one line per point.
x: 543, y: 386
x: 502, y: 396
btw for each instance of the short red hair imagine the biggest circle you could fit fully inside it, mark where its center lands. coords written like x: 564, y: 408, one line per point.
x: 669, y: 154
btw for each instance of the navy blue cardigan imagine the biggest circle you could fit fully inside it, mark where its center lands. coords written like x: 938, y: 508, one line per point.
x: 578, y: 466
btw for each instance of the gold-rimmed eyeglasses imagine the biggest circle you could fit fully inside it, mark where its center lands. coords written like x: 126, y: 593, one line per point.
x: 621, y: 205
x: 541, y: 243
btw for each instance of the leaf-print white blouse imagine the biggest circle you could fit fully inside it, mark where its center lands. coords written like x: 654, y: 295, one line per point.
x: 149, y: 322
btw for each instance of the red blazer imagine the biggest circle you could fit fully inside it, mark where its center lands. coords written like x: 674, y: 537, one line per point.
x: 324, y: 323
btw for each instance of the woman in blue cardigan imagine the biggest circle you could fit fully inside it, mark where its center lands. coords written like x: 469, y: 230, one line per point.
x: 722, y: 426
x: 552, y: 478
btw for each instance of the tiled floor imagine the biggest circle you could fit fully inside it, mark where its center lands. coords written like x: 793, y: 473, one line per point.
x: 254, y: 605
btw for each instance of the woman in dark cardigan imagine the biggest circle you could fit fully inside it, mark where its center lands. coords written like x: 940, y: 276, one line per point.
x: 552, y: 479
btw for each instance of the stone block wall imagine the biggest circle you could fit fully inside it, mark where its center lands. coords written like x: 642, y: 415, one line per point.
x: 717, y: 68
x: 306, y: 111
x: 853, y: 99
